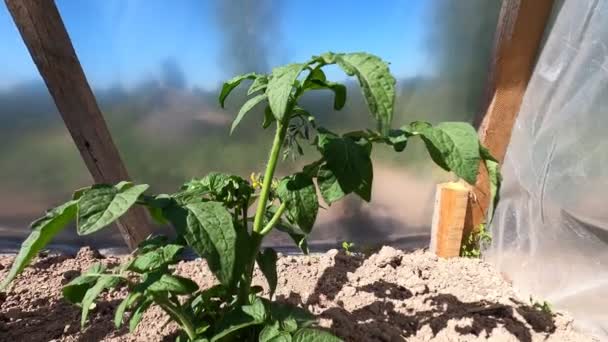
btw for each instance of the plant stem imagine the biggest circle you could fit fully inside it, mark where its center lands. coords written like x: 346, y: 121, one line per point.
x: 256, y: 234
x: 268, y: 175
x: 180, y: 317
x: 275, y: 218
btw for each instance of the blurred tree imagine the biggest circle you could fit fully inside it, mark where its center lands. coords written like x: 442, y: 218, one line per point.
x: 172, y: 75
x: 250, y: 29
x: 460, y: 43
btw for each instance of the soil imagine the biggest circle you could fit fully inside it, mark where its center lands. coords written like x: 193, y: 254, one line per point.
x: 391, y: 295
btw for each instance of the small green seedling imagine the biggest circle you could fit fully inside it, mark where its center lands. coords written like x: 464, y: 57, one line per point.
x: 210, y: 215
x: 544, y: 306
x: 478, y: 240
x: 347, y: 247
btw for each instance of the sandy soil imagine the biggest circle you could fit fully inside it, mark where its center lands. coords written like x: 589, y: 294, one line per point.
x: 391, y: 295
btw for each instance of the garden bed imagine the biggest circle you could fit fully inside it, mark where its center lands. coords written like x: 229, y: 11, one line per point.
x: 391, y: 295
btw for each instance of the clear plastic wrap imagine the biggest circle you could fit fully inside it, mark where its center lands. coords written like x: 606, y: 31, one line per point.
x: 551, y: 227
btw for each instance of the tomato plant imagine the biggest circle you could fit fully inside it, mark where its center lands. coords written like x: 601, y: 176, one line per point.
x: 210, y: 214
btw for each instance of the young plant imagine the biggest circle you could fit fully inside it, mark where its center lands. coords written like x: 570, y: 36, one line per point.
x: 475, y: 242
x: 210, y: 214
x: 544, y: 307
x: 348, y: 247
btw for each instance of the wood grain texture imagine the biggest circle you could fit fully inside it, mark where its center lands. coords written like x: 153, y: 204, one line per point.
x: 47, y: 40
x: 449, y: 218
x: 519, y: 32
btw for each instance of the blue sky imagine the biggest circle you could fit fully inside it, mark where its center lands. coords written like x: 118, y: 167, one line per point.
x: 124, y: 41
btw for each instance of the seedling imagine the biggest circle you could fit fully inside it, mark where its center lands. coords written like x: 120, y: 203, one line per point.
x: 210, y: 214
x: 476, y: 241
x: 347, y: 247
x: 544, y: 306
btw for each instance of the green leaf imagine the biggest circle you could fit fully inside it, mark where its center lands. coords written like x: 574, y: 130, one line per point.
x: 454, y: 146
x: 75, y: 290
x: 267, y: 261
x: 139, y: 313
x: 280, y: 87
x: 268, y: 117
x: 271, y: 332
x: 350, y: 165
x: 258, y: 84
x: 317, y: 80
x: 495, y: 177
x: 329, y: 186
x: 288, y: 314
x: 128, y: 302
x: 231, y: 322
x: 178, y: 217
x: 299, y: 193
x: 290, y: 324
x: 252, y: 102
x: 339, y: 94
x: 155, y: 205
x: 43, y: 230
x: 79, y: 192
x: 234, y: 82
x: 376, y: 81
x: 151, y: 243
x: 295, y: 232
x: 174, y: 284
x: 100, y: 206
x: 219, y: 187
x: 256, y: 310
x: 105, y: 281
x: 210, y: 232
x: 157, y: 215
x: 316, y: 74
x: 314, y: 335
x: 398, y: 139
x: 154, y: 259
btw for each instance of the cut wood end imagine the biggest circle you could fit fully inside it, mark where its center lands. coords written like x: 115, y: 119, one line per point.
x: 460, y: 185
x: 449, y: 217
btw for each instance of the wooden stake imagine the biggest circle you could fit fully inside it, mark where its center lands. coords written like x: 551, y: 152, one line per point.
x: 518, y: 37
x: 449, y: 216
x: 49, y: 45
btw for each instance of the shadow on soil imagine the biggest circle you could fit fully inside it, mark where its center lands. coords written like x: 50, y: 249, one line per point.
x: 46, y: 318
x: 53, y: 320
x: 381, y: 321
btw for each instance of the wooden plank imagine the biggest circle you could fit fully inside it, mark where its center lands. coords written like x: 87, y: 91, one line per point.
x: 517, y: 40
x: 449, y: 217
x: 49, y: 45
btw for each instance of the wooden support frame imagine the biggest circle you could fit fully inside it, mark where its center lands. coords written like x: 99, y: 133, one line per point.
x: 47, y: 40
x: 518, y: 37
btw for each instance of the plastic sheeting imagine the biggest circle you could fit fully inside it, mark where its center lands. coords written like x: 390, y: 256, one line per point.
x: 551, y: 226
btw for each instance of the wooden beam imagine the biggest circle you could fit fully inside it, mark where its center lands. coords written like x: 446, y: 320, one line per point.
x: 49, y: 45
x: 518, y: 37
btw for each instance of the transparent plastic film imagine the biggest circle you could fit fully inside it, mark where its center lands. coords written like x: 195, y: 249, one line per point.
x: 551, y: 227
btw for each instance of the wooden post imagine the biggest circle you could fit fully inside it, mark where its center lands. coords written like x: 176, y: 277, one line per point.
x: 518, y: 37
x: 449, y: 216
x: 49, y: 45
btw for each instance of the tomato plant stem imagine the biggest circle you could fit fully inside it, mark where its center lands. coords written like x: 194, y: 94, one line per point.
x: 268, y: 175
x: 258, y: 230
x: 275, y: 218
x: 180, y: 317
